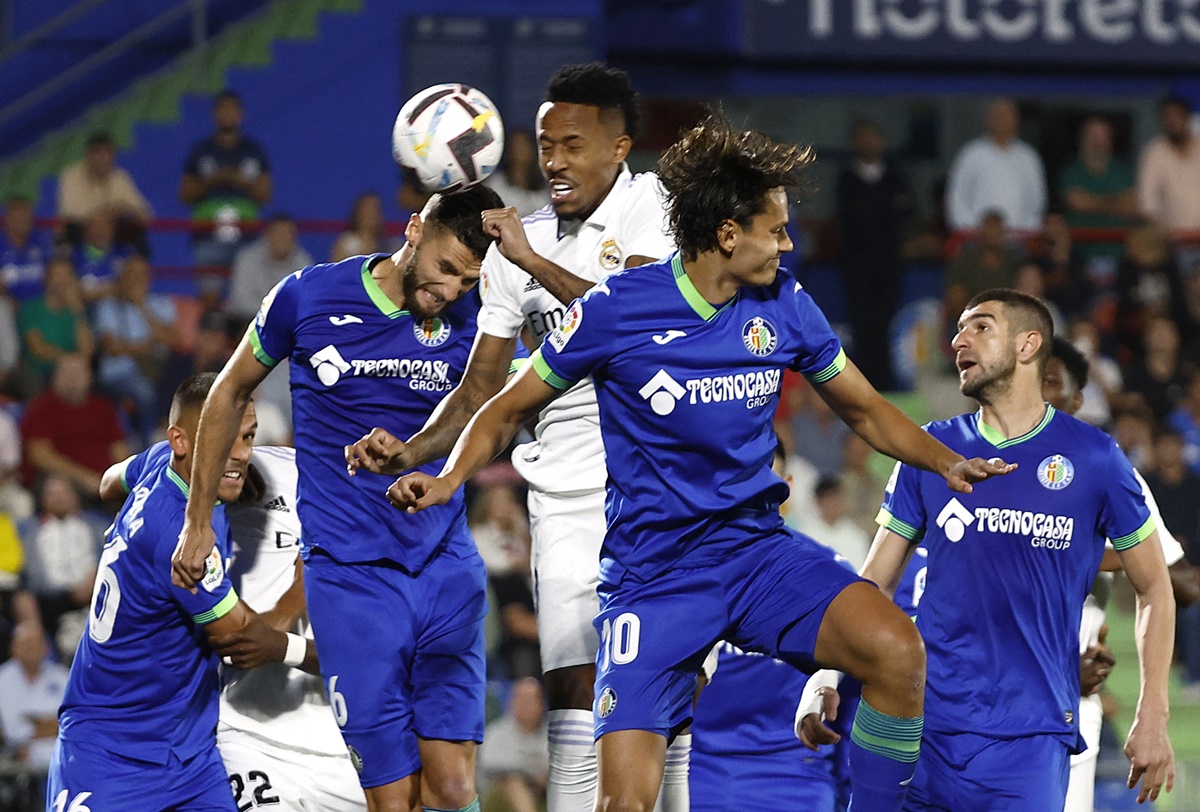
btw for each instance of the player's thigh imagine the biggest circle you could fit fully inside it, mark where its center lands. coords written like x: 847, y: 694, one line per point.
x: 365, y: 622
x: 263, y: 775
x: 567, y: 534
x: 445, y: 765
x: 449, y: 669
x: 1015, y: 775
x: 781, y: 593
x: 653, y: 639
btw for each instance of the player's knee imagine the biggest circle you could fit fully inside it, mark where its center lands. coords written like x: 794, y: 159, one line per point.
x: 898, y: 656
x: 621, y: 802
x: 450, y: 791
x: 392, y: 804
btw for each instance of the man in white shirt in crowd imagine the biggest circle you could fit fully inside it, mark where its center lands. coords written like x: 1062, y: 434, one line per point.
x: 830, y: 525
x: 514, y: 758
x: 997, y: 171
x: 32, y: 687
x: 1168, y: 179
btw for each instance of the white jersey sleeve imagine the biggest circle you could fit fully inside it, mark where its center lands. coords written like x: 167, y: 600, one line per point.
x: 644, y: 219
x: 1172, y: 549
x: 501, y: 314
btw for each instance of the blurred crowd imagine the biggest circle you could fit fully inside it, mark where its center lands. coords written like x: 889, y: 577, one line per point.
x: 90, y: 354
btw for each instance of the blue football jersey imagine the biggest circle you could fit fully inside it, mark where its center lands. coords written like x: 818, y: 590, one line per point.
x: 358, y: 361
x: 23, y: 270
x: 140, y: 463
x: 144, y: 681
x: 1012, y: 563
x: 687, y: 394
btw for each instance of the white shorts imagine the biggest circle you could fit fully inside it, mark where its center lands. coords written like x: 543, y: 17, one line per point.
x: 1081, y: 791
x: 567, y: 533
x: 269, y: 776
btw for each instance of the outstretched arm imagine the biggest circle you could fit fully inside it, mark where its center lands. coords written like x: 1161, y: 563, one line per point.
x: 488, y: 433
x: 383, y: 453
x: 219, y: 423
x: 1152, y: 760
x: 889, y: 431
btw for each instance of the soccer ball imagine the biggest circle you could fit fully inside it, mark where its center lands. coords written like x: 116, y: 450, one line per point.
x: 450, y: 135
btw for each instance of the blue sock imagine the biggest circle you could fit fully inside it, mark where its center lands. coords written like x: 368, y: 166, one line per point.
x: 471, y: 807
x: 883, y: 758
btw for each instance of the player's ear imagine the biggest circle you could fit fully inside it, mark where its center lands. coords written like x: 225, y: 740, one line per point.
x: 1076, y: 401
x: 181, y: 444
x: 727, y: 234
x: 413, y: 229
x: 1030, y: 346
x: 621, y: 147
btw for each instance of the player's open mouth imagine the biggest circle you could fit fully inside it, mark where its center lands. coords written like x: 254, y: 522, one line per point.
x: 231, y: 476
x: 560, y: 191
x: 964, y: 364
x: 430, y: 300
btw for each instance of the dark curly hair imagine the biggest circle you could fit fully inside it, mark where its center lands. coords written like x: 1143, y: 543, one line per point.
x: 1073, y: 360
x: 597, y: 85
x: 716, y: 173
x: 458, y: 212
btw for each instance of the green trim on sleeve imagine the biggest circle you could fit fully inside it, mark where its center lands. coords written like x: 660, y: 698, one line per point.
x: 1136, y: 537
x: 830, y: 372
x: 220, y: 610
x: 262, y: 355
x: 902, y: 529
x: 516, y: 365
x: 548, y: 375
x: 124, y: 481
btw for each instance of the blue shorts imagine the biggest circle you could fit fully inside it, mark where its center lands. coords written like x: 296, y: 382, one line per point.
x: 402, y: 656
x: 792, y: 779
x: 967, y: 771
x: 114, y: 783
x: 768, y: 596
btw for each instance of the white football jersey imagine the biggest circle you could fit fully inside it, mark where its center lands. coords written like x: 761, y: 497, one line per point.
x: 276, y: 703
x: 567, y: 454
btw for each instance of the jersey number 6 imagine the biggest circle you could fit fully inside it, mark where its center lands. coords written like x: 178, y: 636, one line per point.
x: 106, y: 595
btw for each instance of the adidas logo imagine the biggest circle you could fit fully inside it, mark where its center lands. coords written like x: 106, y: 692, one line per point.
x: 532, y: 284
x: 278, y: 503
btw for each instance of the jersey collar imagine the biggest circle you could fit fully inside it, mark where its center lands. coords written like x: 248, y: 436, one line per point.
x: 178, y: 481
x: 704, y: 309
x: 378, y: 298
x: 997, y: 439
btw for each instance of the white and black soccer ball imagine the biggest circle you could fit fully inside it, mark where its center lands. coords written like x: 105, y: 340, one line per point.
x: 450, y: 135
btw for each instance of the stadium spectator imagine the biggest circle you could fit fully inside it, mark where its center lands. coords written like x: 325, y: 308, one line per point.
x: 23, y: 252
x: 518, y: 180
x: 99, y: 256
x: 259, y: 266
x: 365, y: 233
x: 862, y: 488
x: 54, y: 325
x: 1168, y: 183
x: 32, y: 686
x: 70, y: 430
x: 1096, y: 188
x: 61, y: 549
x: 14, y: 500
x: 1104, y: 374
x: 514, y: 758
x: 1064, y: 269
x: 1159, y: 377
x: 1185, y: 420
x: 135, y: 330
x: 1133, y: 429
x: 12, y: 559
x: 830, y: 525
x: 96, y: 183
x: 1031, y: 280
x: 226, y: 179
x: 209, y: 352
x: 10, y: 348
x: 997, y: 172
x: 1148, y: 286
x: 986, y: 262
x: 874, y: 202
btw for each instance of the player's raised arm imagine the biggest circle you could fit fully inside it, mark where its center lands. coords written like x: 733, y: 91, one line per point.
x: 487, y: 369
x: 1152, y: 760
x: 488, y: 433
x: 219, y: 424
x: 889, y: 431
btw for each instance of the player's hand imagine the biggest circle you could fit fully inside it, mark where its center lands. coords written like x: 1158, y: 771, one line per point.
x: 189, y: 561
x: 380, y: 452
x: 505, y: 226
x: 963, y: 474
x: 811, y: 728
x: 1151, y: 759
x: 1095, y: 665
x: 256, y: 644
x: 417, y: 491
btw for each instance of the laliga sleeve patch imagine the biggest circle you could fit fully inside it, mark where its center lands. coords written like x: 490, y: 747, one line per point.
x: 570, y: 324
x: 214, y: 571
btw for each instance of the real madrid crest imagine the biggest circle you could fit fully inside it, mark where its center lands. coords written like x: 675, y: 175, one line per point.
x: 759, y: 337
x: 610, y: 255
x: 432, y: 332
